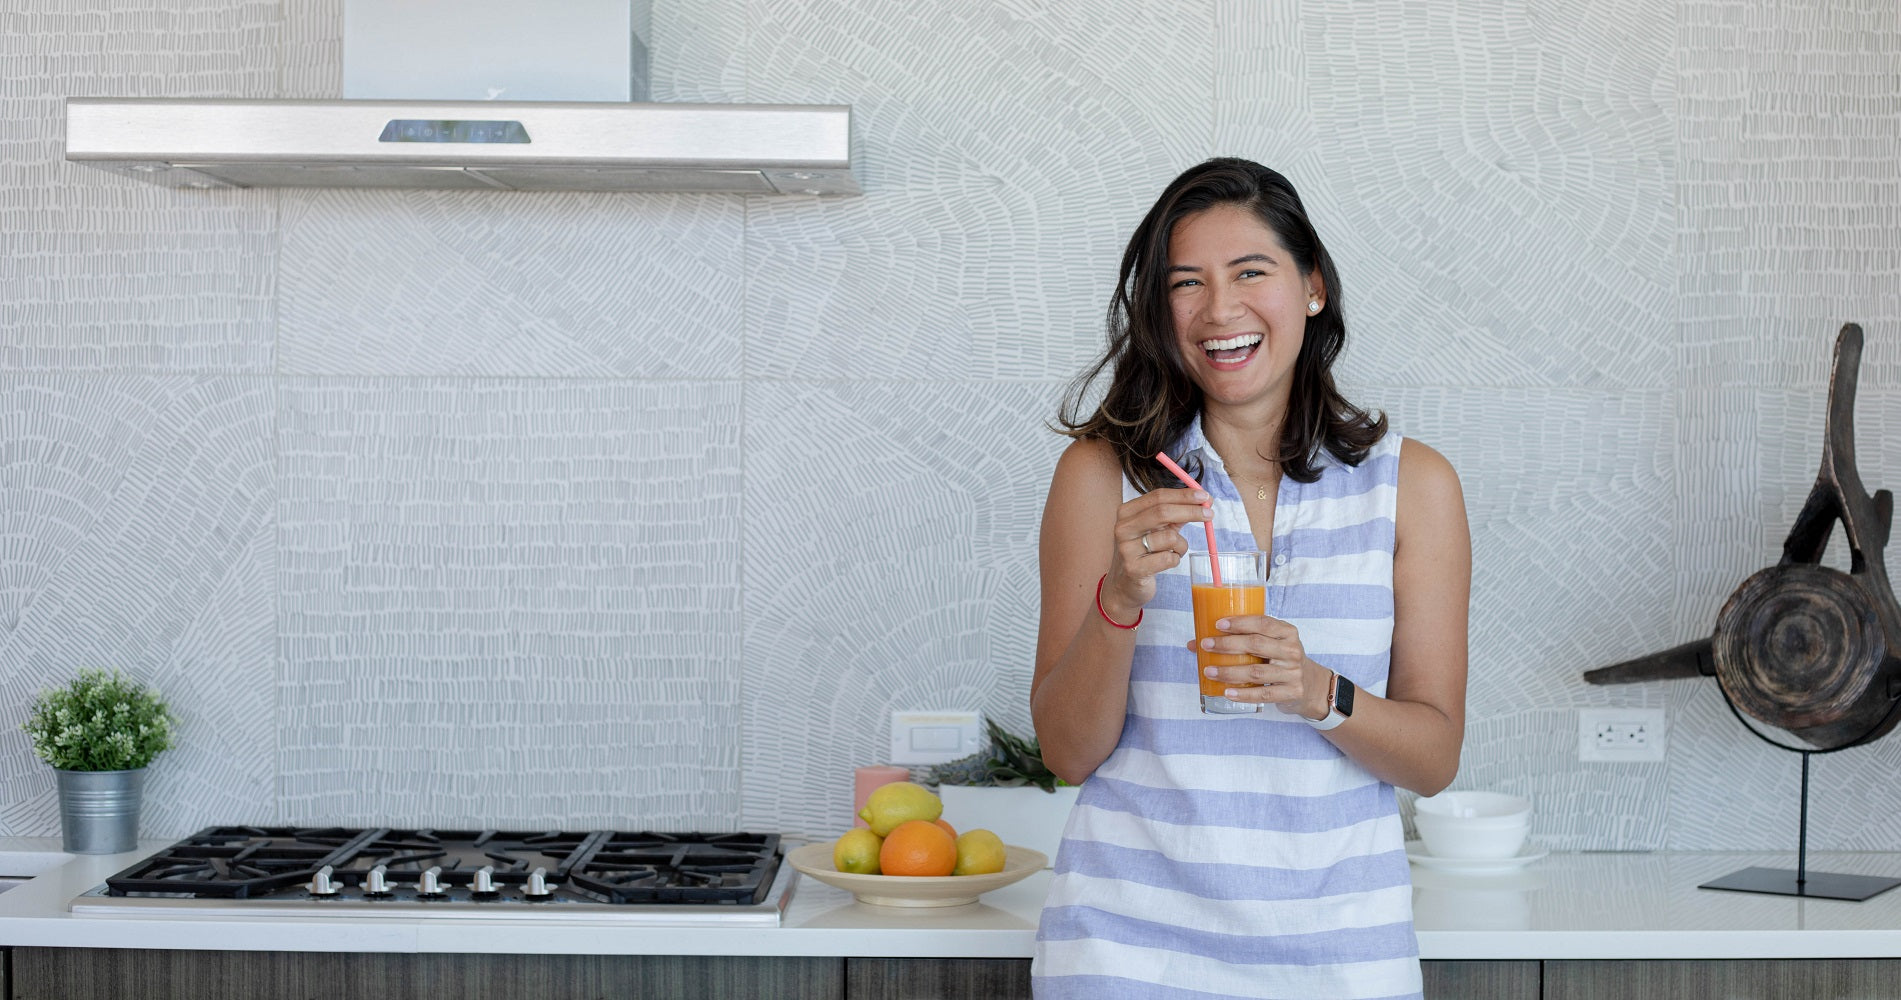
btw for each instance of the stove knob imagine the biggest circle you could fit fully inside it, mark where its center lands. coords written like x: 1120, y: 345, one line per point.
x: 377, y: 884
x: 484, y: 884
x: 429, y: 885
x: 320, y: 884
x: 537, y: 891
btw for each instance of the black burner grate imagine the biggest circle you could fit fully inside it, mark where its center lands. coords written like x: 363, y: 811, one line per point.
x: 244, y: 862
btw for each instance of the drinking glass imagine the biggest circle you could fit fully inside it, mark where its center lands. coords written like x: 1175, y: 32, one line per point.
x: 1243, y: 591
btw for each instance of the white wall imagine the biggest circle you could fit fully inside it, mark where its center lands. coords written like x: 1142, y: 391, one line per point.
x: 646, y: 510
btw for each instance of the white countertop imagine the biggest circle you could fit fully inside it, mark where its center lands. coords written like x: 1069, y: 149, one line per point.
x: 819, y: 920
x: 1581, y: 906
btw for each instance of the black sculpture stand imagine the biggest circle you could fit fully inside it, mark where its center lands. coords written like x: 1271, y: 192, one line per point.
x: 1801, y: 881
x: 1804, y: 647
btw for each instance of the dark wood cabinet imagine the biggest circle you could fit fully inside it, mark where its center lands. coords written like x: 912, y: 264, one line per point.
x: 1762, y: 979
x: 1481, y: 980
x: 133, y: 974
x: 937, y: 978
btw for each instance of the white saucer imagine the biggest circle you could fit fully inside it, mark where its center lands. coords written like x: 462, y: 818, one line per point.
x: 1416, y: 853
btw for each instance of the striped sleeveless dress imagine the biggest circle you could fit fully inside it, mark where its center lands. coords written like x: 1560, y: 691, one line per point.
x: 1245, y: 856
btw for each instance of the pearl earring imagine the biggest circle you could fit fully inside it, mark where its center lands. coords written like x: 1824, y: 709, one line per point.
x: 1313, y: 306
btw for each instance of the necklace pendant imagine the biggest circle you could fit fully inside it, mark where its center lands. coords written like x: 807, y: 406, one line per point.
x: 1260, y: 493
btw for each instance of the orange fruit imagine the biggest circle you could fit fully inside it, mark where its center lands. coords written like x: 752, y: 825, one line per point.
x: 947, y: 827
x: 918, y: 847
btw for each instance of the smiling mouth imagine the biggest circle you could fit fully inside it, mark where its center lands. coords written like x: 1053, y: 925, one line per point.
x: 1232, y: 350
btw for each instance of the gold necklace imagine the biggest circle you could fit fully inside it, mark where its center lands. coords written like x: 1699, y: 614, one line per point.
x: 1272, y: 478
x: 1260, y: 489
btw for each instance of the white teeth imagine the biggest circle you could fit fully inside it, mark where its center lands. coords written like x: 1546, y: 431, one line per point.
x: 1244, y: 340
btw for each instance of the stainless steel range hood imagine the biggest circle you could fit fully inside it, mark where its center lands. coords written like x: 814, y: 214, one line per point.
x: 472, y: 145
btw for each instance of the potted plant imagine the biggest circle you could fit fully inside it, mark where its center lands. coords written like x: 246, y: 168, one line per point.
x: 99, y: 733
x: 1006, y: 789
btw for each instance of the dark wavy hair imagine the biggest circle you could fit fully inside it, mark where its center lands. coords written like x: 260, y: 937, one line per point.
x: 1150, y: 400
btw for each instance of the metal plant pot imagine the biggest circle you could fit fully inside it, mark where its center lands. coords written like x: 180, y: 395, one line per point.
x: 99, y: 810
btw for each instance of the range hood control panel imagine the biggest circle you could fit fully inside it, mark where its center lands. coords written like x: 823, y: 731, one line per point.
x: 420, y: 130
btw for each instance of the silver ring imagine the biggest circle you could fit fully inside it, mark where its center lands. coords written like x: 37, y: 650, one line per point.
x: 1145, y: 544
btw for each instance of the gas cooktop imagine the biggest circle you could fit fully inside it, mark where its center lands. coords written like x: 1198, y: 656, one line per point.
x: 643, y: 877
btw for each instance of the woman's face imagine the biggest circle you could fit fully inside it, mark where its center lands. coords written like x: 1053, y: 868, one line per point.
x: 1240, y: 305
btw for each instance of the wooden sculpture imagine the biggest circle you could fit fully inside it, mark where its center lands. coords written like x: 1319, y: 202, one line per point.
x: 1800, y: 646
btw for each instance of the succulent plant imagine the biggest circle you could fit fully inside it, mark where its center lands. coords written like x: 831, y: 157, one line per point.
x: 971, y: 770
x: 1008, y: 762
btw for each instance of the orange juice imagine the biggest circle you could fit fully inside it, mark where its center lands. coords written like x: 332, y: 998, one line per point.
x: 1212, y: 604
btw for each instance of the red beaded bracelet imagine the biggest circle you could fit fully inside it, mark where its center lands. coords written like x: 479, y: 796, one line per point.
x: 1105, y: 614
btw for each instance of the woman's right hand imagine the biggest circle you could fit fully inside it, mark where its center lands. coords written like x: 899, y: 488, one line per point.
x: 1090, y: 550
x: 1148, y: 540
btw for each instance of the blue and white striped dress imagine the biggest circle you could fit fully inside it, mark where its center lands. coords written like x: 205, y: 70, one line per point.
x: 1245, y: 856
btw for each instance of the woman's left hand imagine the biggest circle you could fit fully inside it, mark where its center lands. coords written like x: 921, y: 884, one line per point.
x: 1288, y: 679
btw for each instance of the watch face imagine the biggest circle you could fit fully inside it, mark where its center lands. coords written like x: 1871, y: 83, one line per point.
x: 1343, y: 696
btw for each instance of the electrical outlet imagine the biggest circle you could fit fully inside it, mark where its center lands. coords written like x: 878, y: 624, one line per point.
x: 1621, y: 735
x: 933, y: 737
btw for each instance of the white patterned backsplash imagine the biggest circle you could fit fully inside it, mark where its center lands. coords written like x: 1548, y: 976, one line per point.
x: 548, y: 509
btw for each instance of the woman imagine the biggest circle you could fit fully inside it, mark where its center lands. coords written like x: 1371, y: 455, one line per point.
x: 1244, y: 855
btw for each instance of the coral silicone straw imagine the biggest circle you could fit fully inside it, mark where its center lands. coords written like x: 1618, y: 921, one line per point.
x: 1214, y: 564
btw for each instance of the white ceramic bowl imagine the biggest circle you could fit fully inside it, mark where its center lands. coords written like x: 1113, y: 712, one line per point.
x: 1472, y: 824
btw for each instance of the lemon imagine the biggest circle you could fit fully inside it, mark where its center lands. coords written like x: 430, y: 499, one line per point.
x: 857, y: 852
x: 979, y: 852
x: 899, y: 802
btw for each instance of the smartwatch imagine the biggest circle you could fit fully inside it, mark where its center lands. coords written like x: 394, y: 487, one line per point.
x: 1339, y: 704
